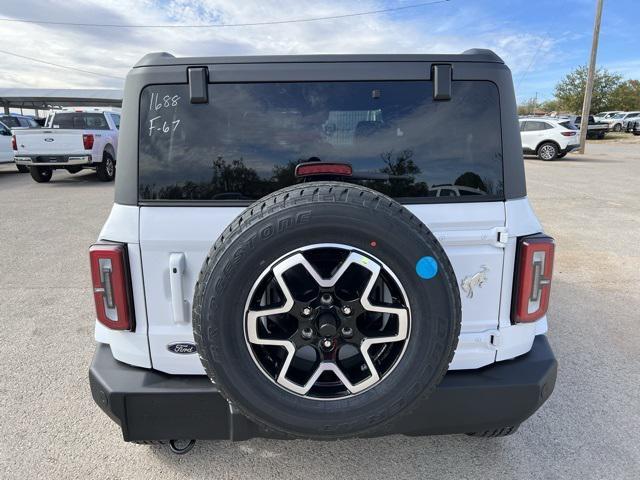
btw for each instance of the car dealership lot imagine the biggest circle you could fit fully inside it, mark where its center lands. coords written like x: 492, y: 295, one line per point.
x: 51, y: 428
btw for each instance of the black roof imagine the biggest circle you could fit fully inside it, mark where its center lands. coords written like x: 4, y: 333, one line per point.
x: 480, y: 55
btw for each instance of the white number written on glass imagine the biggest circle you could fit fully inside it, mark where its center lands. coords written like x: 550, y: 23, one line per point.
x: 167, y: 101
x: 156, y: 124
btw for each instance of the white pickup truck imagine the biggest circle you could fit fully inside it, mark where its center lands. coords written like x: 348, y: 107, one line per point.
x: 72, y: 139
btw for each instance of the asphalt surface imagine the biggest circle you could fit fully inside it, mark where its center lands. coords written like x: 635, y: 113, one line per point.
x: 589, y: 428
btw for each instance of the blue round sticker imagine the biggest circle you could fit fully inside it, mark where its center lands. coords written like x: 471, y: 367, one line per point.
x: 427, y: 267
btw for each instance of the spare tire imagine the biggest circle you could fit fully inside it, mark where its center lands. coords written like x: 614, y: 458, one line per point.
x: 326, y: 310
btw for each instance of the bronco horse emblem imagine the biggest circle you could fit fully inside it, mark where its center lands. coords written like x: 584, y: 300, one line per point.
x: 473, y: 281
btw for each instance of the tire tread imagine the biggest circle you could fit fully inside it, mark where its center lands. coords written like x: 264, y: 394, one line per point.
x: 303, y: 194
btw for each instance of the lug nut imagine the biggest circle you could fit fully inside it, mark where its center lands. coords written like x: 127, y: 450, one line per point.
x: 307, y: 333
x: 346, y: 310
x: 347, y: 332
x: 326, y: 299
x: 327, y: 343
x: 306, y: 311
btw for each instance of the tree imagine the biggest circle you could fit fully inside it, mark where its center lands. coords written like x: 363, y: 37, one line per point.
x: 550, y: 105
x: 570, y: 91
x: 626, y: 96
x: 527, y: 107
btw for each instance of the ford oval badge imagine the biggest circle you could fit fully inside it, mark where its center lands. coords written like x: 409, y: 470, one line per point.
x: 182, y: 348
x: 49, y: 139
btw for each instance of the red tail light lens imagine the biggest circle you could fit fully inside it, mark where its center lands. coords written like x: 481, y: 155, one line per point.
x: 321, y: 168
x: 87, y: 140
x: 568, y: 134
x: 112, y: 285
x: 14, y: 142
x: 534, y: 268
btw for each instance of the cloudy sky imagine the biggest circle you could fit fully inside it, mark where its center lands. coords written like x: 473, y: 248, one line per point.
x: 540, y: 40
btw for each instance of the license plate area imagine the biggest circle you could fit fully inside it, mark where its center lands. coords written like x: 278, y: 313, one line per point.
x: 51, y: 159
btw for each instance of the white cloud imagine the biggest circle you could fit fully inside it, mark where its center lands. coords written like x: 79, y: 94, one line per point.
x: 628, y: 69
x: 443, y: 28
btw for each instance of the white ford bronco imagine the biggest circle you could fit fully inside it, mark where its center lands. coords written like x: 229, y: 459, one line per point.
x: 320, y: 247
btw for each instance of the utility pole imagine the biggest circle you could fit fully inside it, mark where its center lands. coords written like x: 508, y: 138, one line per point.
x: 586, y: 105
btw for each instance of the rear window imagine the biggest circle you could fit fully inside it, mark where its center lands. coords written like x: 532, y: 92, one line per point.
x: 568, y: 125
x: 79, y: 121
x: 247, y: 141
x: 10, y: 121
x: 533, y: 126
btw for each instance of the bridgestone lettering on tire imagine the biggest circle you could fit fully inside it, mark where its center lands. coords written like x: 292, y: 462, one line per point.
x: 311, y: 315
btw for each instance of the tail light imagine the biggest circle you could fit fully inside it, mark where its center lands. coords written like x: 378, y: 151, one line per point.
x: 87, y: 140
x: 323, y: 168
x: 14, y: 142
x: 568, y: 134
x: 534, y: 268
x: 112, y: 285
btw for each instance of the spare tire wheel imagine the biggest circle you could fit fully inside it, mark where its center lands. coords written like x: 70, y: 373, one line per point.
x: 326, y: 310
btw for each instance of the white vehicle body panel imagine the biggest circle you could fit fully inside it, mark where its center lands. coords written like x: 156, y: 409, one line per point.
x: 478, y: 237
x: 129, y: 347
x: 516, y: 340
x: 170, y: 230
x: 158, y: 237
x: 67, y: 142
x: 6, y: 150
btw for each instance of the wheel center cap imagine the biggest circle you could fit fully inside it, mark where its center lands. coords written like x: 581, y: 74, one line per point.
x: 327, y: 325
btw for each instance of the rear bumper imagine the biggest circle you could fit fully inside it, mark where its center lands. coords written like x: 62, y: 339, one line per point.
x: 570, y: 148
x: 52, y: 160
x: 149, y: 405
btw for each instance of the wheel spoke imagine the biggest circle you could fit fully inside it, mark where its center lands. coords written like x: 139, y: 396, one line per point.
x: 328, y: 357
x: 354, y: 257
x: 403, y: 329
x: 254, y: 315
x: 326, y: 367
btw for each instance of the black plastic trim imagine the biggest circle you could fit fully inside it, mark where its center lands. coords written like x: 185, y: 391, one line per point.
x: 442, y: 82
x: 162, y: 59
x: 198, y: 84
x: 150, y: 405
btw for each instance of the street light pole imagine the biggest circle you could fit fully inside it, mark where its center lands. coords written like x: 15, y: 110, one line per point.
x: 586, y: 105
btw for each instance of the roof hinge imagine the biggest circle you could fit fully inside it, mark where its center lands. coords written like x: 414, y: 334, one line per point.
x: 441, y: 82
x: 494, y: 339
x: 198, y: 84
x: 489, y: 340
x: 502, y: 237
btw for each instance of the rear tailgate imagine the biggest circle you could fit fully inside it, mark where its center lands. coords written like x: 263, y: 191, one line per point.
x: 39, y: 141
x: 166, y: 232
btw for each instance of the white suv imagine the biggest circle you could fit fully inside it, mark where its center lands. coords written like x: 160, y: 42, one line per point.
x: 298, y: 248
x: 604, y: 116
x: 548, y: 138
x: 617, y: 122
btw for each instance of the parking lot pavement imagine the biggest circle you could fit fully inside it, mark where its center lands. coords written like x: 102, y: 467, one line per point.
x: 50, y: 427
